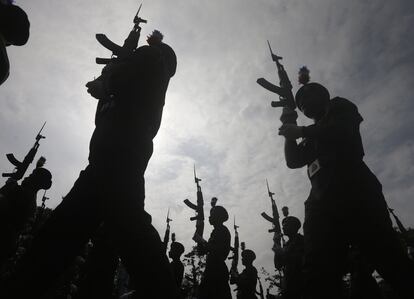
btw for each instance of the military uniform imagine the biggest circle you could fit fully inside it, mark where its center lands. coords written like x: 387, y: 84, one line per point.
x: 345, y: 206
x: 111, y: 188
x: 291, y: 257
x: 214, y: 283
x: 246, y: 283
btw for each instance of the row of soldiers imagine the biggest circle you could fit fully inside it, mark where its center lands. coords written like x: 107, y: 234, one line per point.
x: 345, y: 207
x: 288, y: 255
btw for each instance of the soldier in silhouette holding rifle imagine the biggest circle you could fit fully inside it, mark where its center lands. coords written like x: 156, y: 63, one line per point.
x: 18, y: 206
x: 176, y: 250
x: 290, y: 257
x: 131, y: 94
x: 215, y: 280
x: 346, y: 205
x: 247, y: 279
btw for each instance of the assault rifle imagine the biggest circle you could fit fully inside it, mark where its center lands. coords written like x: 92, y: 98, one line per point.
x: 118, y: 52
x: 167, y: 231
x: 130, y: 43
x: 286, y: 98
x: 277, y: 238
x: 198, y: 208
x: 284, y: 90
x: 235, y: 249
x: 261, y: 292
x: 21, y: 167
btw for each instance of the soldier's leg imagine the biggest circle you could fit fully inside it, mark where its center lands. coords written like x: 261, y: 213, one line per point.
x: 381, y: 245
x: 325, y: 251
x: 138, y: 242
x: 61, y: 238
x: 100, y: 268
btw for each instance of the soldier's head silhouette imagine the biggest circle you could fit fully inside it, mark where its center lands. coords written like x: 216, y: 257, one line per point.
x: 168, y: 54
x: 40, y: 178
x: 218, y: 215
x: 248, y: 256
x: 291, y: 225
x: 312, y: 99
x: 176, y: 250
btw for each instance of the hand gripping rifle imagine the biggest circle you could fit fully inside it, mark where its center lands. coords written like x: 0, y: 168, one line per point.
x: 167, y: 231
x: 130, y: 43
x: 118, y: 52
x: 286, y: 98
x: 198, y: 208
x: 21, y: 167
x: 235, y: 257
x: 277, y: 237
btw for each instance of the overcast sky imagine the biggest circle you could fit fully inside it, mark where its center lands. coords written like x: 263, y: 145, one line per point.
x: 215, y: 115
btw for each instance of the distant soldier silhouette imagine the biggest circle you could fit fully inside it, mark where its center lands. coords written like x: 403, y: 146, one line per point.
x: 291, y: 257
x: 110, y: 189
x: 18, y: 207
x: 215, y: 280
x: 176, y: 250
x: 247, y: 280
x: 14, y: 30
x: 346, y: 204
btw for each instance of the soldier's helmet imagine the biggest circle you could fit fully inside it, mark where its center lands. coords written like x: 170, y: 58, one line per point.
x: 312, y: 94
x: 177, y: 247
x: 14, y: 24
x: 291, y: 222
x: 42, y: 178
x: 248, y: 255
x: 170, y: 59
x: 219, y: 213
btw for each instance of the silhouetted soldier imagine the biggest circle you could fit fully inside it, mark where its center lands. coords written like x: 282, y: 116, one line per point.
x: 18, y: 206
x: 290, y: 258
x: 247, y: 280
x: 346, y: 204
x: 110, y: 189
x: 215, y: 280
x: 14, y: 30
x: 176, y: 250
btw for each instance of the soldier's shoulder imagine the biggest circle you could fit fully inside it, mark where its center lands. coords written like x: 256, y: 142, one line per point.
x: 342, y: 102
x: 343, y: 105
